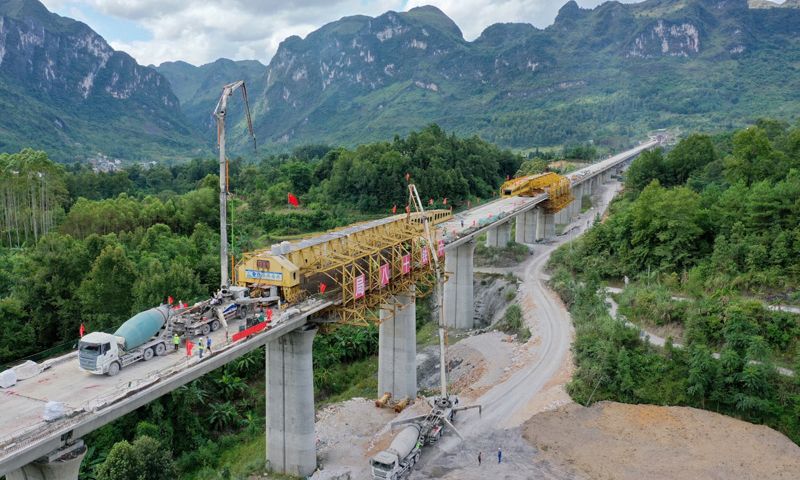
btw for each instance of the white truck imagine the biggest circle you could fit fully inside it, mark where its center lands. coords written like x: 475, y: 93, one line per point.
x: 142, y: 337
x: 400, y: 457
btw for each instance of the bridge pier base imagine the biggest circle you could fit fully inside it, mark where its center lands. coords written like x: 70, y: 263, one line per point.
x: 291, y: 442
x: 526, y: 227
x: 499, y: 236
x: 397, y: 348
x: 458, y: 292
x: 61, y: 464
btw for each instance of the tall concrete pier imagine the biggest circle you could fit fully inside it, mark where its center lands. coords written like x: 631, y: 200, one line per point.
x: 526, y: 227
x: 459, y: 307
x: 397, y: 348
x: 291, y: 442
x: 499, y: 236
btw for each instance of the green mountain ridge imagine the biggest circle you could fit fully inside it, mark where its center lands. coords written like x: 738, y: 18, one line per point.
x: 63, y: 89
x: 606, y: 74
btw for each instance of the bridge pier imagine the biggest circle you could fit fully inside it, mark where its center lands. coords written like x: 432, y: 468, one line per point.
x: 291, y: 442
x: 458, y: 292
x: 397, y: 348
x: 526, y: 227
x: 577, y: 192
x: 546, y: 228
x: 499, y: 236
x: 61, y: 464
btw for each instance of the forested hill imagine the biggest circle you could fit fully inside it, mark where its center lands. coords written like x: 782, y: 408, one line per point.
x: 611, y: 72
x: 716, y: 221
x: 64, y: 90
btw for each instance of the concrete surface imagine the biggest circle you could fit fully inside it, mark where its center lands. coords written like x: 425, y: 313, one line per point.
x: 291, y: 446
x: 397, y: 349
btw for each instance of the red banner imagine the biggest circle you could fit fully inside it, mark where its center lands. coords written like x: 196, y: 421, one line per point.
x: 360, y: 286
x: 385, y: 274
x: 254, y: 329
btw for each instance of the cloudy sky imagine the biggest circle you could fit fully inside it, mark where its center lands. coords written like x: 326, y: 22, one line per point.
x: 201, y: 31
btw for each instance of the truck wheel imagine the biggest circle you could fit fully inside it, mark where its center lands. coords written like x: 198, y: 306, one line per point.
x: 206, y: 329
x: 160, y: 349
x: 242, y: 312
x: 416, y: 457
x: 215, y: 326
x: 148, y: 354
x: 113, y: 369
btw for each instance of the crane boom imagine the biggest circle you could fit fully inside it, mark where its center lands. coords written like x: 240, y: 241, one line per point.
x: 412, y: 189
x: 220, y: 112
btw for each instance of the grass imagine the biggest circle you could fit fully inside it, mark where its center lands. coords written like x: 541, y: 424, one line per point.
x: 360, y: 376
x: 427, y: 335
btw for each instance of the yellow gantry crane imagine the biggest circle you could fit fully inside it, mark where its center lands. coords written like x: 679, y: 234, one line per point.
x: 363, y: 266
x: 532, y: 185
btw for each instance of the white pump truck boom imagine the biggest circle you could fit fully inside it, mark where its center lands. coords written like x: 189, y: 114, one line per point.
x: 404, y: 452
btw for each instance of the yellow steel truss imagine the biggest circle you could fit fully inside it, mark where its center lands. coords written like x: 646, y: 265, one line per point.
x: 559, y: 188
x: 340, y: 258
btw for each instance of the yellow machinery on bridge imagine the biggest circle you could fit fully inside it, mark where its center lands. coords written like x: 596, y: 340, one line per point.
x: 531, y: 185
x: 364, y: 265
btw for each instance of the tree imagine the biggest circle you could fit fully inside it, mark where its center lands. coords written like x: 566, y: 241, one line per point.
x: 648, y: 167
x: 105, y: 295
x: 145, y: 459
x: 691, y: 154
x: 752, y: 159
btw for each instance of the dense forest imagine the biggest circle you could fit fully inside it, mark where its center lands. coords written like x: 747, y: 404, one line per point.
x: 708, y: 234
x: 80, y: 247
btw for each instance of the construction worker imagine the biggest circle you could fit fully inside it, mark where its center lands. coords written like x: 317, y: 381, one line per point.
x: 177, y: 341
x: 200, y: 347
x: 208, y: 344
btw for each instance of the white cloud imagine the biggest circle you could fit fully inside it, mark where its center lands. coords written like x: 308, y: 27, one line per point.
x: 201, y: 31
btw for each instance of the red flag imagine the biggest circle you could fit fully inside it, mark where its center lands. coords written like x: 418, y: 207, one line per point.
x: 293, y: 200
x: 394, y: 209
x: 189, y: 346
x: 508, y: 177
x: 479, y: 199
x: 169, y: 300
x: 430, y: 202
x: 322, y: 287
x: 408, y: 175
x: 468, y: 203
x: 406, y: 208
x: 445, y: 201
x: 473, y: 223
x: 83, y: 329
x: 451, y: 208
x: 494, y: 194
x: 269, y: 315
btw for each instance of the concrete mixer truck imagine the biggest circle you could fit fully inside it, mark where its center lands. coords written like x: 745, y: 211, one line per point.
x: 142, y: 337
x: 400, y: 457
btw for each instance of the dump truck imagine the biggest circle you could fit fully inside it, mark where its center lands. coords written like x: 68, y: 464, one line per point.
x: 144, y: 336
x: 400, y: 457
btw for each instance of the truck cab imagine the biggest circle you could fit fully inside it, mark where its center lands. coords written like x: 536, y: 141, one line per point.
x: 97, y: 351
x: 384, y: 464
